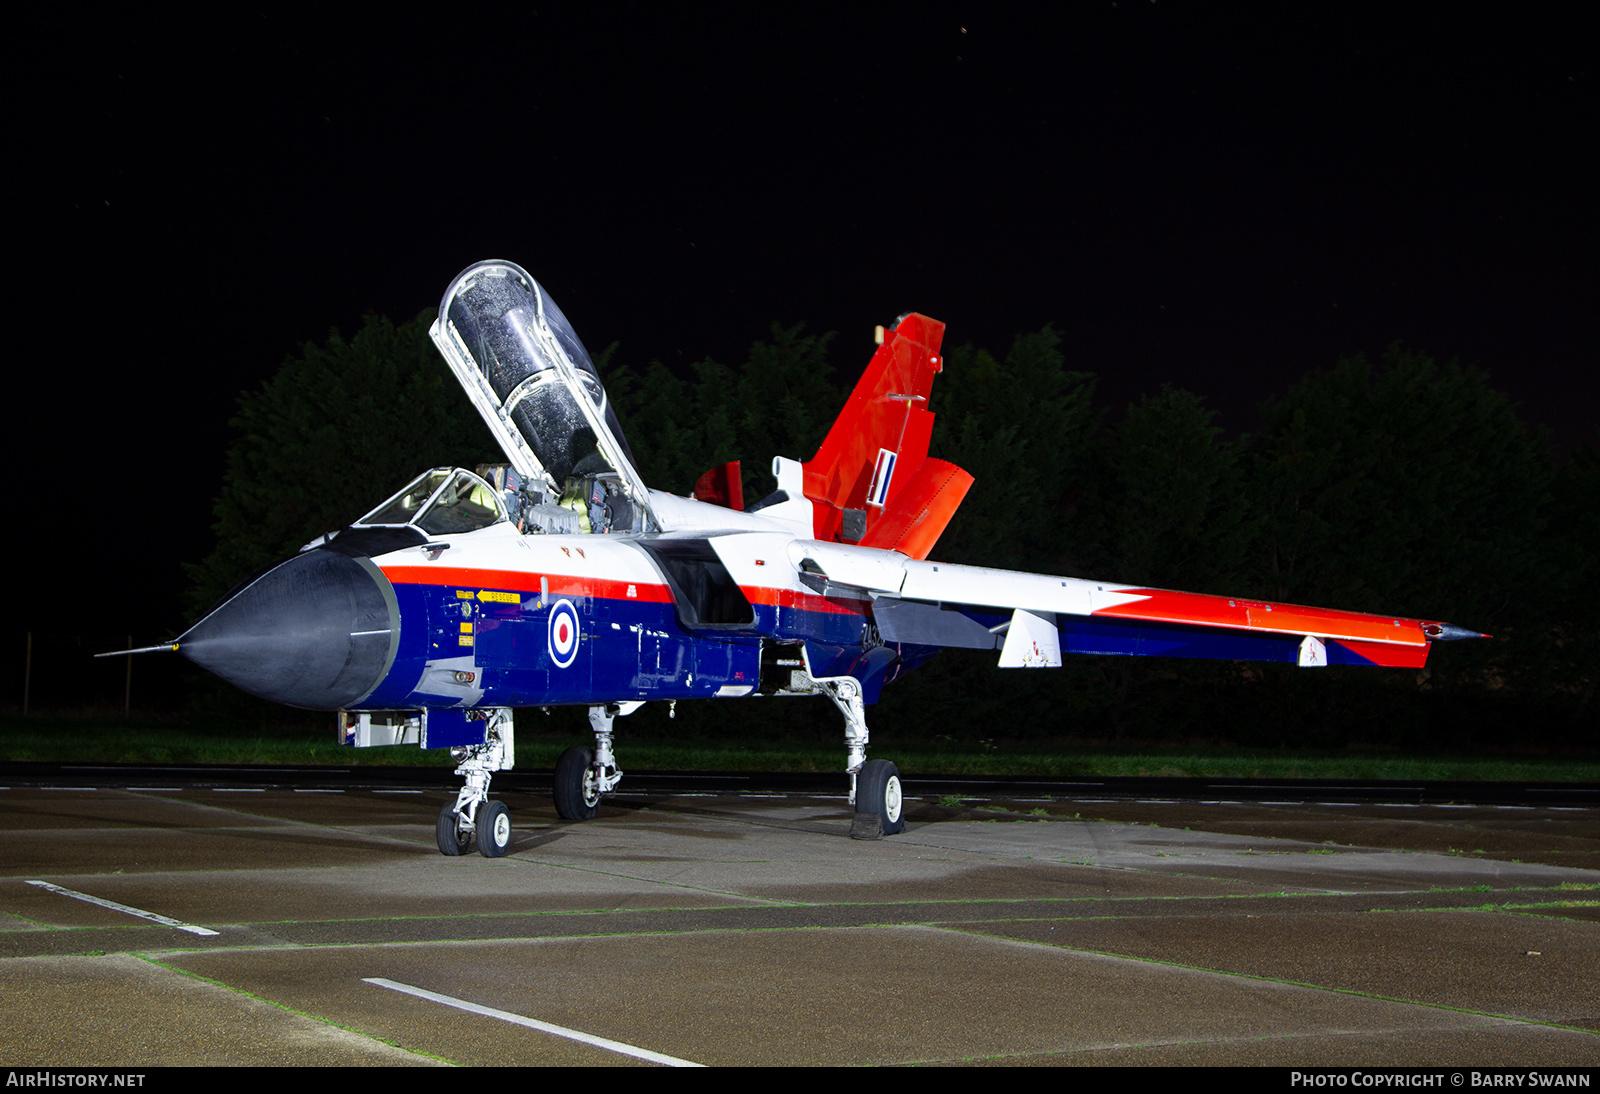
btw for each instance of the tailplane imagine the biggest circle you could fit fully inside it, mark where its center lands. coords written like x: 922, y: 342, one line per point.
x: 872, y: 481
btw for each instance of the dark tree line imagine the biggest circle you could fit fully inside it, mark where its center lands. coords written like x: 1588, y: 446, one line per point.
x: 1400, y: 485
x: 340, y: 427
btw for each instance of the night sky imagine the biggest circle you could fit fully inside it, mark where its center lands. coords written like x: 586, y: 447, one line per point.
x: 1216, y: 198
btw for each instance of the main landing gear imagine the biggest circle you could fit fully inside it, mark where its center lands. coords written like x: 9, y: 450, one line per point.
x: 473, y: 817
x: 584, y: 777
x: 874, y: 784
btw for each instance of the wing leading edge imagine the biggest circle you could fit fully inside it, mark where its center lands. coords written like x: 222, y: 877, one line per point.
x: 1034, y: 618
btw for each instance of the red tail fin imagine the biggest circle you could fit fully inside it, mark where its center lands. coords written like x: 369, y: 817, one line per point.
x: 872, y: 478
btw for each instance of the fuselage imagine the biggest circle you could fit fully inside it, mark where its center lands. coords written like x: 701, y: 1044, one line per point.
x: 398, y: 618
x: 503, y: 619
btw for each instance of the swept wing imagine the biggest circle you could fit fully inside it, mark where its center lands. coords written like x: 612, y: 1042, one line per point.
x: 1034, y: 618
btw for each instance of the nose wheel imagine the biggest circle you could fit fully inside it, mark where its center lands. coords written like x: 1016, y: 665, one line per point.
x: 453, y: 839
x: 491, y: 831
x: 494, y: 830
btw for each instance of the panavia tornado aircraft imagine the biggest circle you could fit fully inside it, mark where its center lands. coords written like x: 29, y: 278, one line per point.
x: 560, y: 578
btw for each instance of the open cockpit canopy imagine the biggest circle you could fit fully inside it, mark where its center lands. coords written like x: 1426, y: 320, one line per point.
x: 526, y: 371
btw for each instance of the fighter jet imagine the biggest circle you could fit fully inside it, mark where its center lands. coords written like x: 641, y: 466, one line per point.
x: 559, y: 577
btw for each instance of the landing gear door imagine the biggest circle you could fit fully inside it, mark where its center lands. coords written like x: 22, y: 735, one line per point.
x: 533, y: 383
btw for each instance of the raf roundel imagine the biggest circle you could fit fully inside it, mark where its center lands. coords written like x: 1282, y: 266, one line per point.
x: 563, y: 633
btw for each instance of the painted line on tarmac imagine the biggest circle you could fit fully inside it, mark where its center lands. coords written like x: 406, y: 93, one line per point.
x: 115, y: 907
x: 532, y: 1023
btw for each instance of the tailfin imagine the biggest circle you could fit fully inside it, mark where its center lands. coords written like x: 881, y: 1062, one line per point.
x: 872, y: 480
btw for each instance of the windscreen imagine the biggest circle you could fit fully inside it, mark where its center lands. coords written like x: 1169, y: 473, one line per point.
x: 464, y: 504
x: 404, y: 506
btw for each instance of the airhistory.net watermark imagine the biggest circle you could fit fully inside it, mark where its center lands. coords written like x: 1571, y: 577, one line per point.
x: 51, y: 1077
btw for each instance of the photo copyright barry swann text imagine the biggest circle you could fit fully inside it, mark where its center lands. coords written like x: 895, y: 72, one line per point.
x: 1467, y: 1078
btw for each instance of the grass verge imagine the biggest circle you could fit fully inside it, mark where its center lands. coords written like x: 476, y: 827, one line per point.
x: 110, y: 740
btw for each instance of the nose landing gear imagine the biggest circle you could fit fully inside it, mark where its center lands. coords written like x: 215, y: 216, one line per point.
x: 474, y: 817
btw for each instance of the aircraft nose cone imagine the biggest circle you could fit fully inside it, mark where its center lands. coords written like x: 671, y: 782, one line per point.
x: 319, y: 631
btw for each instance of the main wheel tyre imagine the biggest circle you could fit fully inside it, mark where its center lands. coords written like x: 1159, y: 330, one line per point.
x: 452, y: 840
x: 576, y: 796
x: 878, y: 791
x: 494, y: 829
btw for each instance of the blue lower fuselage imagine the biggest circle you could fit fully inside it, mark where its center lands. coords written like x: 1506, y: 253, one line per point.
x: 489, y: 635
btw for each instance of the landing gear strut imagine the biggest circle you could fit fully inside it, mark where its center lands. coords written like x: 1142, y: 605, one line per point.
x: 584, y: 777
x: 474, y: 816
